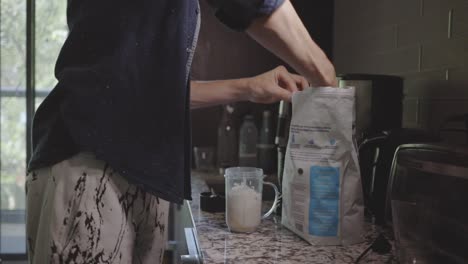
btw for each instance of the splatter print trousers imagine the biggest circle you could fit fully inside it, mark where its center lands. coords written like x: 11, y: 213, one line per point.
x: 81, y: 211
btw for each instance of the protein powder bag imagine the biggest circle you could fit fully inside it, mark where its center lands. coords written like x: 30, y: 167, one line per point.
x: 322, y: 192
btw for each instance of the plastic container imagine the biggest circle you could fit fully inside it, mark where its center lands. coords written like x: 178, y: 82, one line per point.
x: 244, y: 198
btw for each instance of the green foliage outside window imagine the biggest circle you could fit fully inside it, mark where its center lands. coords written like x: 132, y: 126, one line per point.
x: 50, y: 33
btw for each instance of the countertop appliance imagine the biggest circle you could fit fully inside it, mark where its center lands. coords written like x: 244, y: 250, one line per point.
x: 428, y: 192
x: 183, y: 245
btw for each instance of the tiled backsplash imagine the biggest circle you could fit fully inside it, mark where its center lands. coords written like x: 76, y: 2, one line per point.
x: 424, y: 41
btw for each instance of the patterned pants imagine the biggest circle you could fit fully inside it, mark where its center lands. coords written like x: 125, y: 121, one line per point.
x: 80, y: 211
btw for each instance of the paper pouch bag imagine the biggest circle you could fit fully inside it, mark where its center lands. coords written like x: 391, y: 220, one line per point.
x: 322, y: 191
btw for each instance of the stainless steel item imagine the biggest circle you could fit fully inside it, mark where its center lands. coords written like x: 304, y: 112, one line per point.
x: 281, y: 141
x: 193, y: 256
x: 432, y: 179
x: 284, y: 119
x: 282, y: 135
x: 183, y: 241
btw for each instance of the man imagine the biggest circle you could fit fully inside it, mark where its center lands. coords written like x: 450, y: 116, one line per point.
x: 112, y: 140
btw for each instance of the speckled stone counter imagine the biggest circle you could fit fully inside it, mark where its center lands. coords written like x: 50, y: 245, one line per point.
x: 271, y: 243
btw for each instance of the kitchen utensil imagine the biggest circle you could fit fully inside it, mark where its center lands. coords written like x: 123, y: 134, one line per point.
x: 244, y: 187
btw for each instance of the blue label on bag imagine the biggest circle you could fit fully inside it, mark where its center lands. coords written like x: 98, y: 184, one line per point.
x: 324, y: 201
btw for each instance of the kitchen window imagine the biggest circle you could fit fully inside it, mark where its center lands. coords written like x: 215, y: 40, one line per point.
x: 32, y: 33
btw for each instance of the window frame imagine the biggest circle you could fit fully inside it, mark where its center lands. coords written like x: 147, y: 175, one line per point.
x: 30, y: 95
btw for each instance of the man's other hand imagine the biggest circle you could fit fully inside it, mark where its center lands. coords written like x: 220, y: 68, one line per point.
x: 272, y: 86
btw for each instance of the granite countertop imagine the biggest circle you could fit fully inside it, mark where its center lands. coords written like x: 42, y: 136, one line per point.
x: 271, y: 243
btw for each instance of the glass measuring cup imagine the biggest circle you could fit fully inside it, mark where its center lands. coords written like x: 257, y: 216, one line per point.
x: 244, y: 187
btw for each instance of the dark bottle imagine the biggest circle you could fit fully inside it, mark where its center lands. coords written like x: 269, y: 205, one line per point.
x: 248, y: 143
x: 266, y: 147
x: 227, y: 139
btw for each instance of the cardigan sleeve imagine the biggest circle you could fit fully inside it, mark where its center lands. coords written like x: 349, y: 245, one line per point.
x: 239, y: 14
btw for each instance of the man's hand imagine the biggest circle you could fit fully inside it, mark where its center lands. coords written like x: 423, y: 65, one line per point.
x: 277, y: 84
x: 269, y: 87
x: 283, y: 33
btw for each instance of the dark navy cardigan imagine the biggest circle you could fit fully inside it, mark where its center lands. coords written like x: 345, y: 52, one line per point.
x: 123, y: 88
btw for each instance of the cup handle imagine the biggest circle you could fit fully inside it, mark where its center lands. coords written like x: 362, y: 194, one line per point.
x: 275, y: 202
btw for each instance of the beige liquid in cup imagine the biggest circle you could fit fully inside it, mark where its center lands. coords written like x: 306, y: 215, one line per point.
x: 244, y: 208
